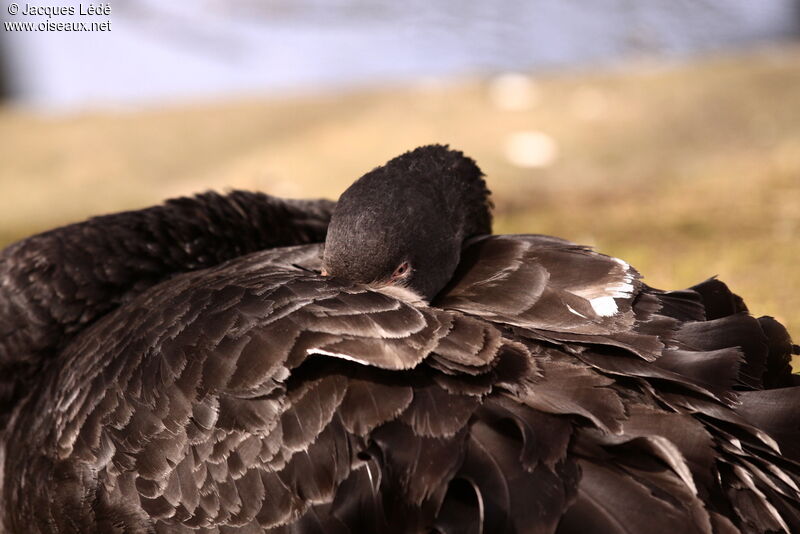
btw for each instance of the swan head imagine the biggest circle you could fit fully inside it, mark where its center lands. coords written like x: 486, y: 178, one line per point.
x: 401, y: 226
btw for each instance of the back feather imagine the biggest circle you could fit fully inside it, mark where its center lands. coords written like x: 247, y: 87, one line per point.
x: 546, y: 390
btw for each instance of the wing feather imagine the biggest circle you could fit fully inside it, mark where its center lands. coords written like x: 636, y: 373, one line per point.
x: 255, y: 396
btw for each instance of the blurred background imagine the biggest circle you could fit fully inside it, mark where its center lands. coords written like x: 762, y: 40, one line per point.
x: 664, y: 132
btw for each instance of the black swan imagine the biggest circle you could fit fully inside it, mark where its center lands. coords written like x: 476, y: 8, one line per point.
x: 209, y: 366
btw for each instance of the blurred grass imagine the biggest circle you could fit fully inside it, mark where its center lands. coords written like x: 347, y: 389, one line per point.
x: 684, y: 170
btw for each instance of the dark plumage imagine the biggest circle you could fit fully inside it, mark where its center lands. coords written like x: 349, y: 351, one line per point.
x: 53, y: 285
x: 413, y: 213
x: 185, y: 369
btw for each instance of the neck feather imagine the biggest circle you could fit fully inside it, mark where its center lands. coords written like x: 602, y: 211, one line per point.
x: 54, y: 284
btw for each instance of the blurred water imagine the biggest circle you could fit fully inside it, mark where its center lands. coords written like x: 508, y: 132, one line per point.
x: 171, y: 51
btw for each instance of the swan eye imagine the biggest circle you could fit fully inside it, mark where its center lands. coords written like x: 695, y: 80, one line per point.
x: 401, y: 270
